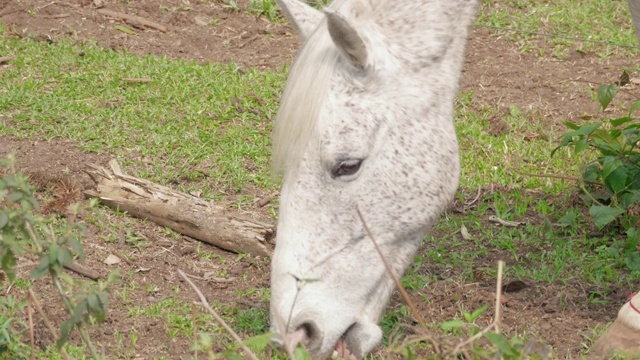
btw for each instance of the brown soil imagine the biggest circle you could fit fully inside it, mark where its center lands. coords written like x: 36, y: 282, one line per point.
x: 499, y: 74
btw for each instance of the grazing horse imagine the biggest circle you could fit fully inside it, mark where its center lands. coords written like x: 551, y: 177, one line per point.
x: 365, y: 125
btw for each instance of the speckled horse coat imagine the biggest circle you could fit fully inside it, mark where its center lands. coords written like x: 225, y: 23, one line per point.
x: 366, y: 121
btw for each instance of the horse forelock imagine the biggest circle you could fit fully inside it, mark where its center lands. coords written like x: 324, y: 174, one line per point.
x: 306, y: 90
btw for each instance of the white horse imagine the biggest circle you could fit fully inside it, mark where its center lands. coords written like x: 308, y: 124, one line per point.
x: 366, y: 122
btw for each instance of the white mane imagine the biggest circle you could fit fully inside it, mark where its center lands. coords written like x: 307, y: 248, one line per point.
x: 303, y: 98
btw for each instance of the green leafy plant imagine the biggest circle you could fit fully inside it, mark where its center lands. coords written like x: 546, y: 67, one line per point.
x: 24, y: 232
x: 268, y: 8
x: 612, y: 180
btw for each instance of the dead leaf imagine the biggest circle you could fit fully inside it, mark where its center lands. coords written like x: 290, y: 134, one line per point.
x: 112, y: 260
x: 505, y: 222
x: 465, y: 233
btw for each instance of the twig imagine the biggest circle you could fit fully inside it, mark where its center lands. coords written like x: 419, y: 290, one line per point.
x: 45, y: 6
x: 47, y: 323
x: 497, y: 315
x: 82, y: 270
x: 195, y: 333
x: 282, y: 330
x: 265, y: 200
x: 206, y: 305
x: 5, y: 59
x: 473, y: 142
x: 136, y: 80
x: 476, y: 198
x: 403, y: 292
x: 552, y: 176
x: 495, y: 325
x: 133, y: 18
x: 31, y: 336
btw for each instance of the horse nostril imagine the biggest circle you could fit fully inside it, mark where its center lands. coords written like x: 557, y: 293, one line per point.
x: 311, y: 331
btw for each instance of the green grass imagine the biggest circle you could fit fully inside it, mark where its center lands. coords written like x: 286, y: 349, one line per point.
x: 567, y: 21
x: 191, y: 124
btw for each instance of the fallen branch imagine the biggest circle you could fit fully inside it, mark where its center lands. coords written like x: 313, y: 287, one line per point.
x: 82, y: 270
x: 5, y: 59
x: 219, y: 319
x: 181, y: 212
x: 132, y: 19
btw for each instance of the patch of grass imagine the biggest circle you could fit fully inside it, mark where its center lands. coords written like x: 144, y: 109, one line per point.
x: 565, y: 20
x: 192, y: 124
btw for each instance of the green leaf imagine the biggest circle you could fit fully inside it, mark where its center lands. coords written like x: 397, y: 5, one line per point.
x: 9, y: 264
x: 633, y: 261
x: 632, y: 241
x: 571, y: 125
x: 64, y: 256
x: 581, y: 145
x: 606, y: 93
x: 301, y: 354
x: 452, y: 324
x: 635, y: 106
x: 95, y: 307
x: 77, y: 248
x: 4, y: 219
x: 616, y: 180
x: 502, y: 344
x: 65, y: 330
x: 124, y: 29
x: 259, y: 342
x: 42, y: 268
x: 14, y: 197
x: 585, y: 129
x: 603, y: 215
x: 620, y: 121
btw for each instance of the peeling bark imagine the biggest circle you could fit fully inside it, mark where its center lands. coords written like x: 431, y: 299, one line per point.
x: 180, y: 212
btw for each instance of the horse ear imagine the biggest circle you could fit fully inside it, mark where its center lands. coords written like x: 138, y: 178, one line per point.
x: 302, y: 16
x: 346, y: 38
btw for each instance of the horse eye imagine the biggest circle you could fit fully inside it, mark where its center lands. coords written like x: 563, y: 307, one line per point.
x: 346, y: 167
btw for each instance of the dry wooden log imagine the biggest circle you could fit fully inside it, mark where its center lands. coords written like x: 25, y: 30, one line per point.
x: 181, y: 212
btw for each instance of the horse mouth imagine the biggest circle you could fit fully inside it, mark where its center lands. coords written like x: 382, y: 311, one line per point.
x: 341, y: 351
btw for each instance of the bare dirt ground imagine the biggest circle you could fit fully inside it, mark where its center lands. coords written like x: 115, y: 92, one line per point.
x: 496, y: 71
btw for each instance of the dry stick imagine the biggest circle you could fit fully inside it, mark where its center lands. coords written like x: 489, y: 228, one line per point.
x: 47, y: 323
x: 195, y: 327
x: 82, y: 270
x: 498, y: 312
x: 403, y: 292
x: 136, y: 80
x: 31, y: 336
x: 133, y: 18
x: 206, y: 305
x: 495, y: 325
x: 4, y: 59
x: 286, y: 339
